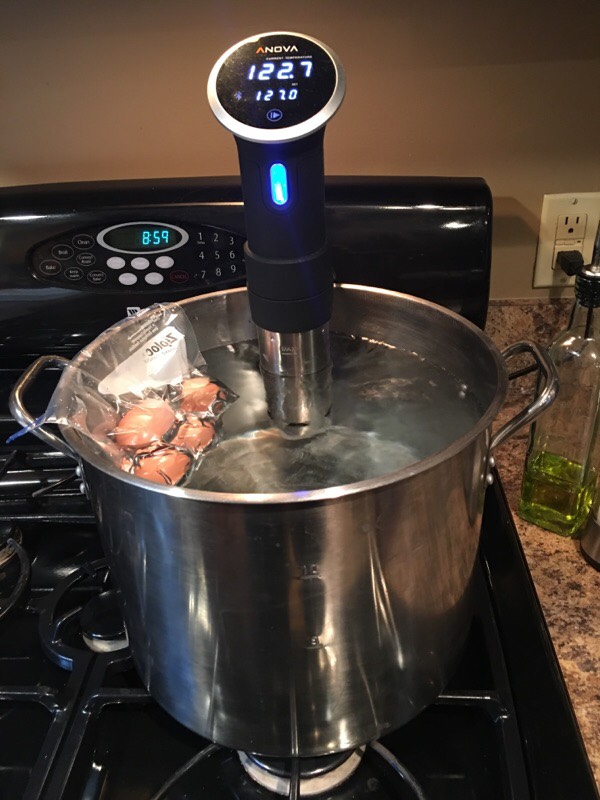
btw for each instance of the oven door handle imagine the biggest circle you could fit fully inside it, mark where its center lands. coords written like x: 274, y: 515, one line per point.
x: 24, y: 418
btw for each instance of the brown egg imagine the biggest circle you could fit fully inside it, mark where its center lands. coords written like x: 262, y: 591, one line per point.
x: 198, y: 394
x: 164, y: 465
x: 144, y: 424
x: 194, y: 435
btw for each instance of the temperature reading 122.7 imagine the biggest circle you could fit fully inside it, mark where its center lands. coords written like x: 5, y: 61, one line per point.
x: 281, y: 71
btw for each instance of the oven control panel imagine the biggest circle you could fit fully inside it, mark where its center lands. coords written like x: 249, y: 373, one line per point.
x: 141, y: 256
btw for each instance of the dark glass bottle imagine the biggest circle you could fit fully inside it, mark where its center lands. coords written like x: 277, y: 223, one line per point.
x: 562, y: 462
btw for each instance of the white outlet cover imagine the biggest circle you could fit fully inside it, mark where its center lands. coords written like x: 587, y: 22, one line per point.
x: 553, y: 206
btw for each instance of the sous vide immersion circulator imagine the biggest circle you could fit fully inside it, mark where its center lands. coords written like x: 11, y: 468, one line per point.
x: 276, y: 92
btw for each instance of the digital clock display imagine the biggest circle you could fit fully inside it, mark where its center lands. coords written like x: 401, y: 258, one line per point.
x: 142, y: 237
x: 276, y: 81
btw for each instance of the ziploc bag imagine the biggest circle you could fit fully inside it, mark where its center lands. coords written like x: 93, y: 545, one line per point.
x: 142, y: 395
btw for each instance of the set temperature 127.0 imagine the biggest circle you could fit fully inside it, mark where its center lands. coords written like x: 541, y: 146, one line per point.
x: 280, y: 94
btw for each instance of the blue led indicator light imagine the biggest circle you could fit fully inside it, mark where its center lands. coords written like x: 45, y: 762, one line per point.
x: 279, y: 184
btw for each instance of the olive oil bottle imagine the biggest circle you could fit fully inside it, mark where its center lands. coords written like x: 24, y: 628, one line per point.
x: 556, y: 493
x: 564, y: 456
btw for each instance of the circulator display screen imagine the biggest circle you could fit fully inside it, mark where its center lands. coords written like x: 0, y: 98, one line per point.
x: 276, y: 81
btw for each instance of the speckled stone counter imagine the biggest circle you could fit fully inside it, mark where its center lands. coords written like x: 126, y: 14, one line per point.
x: 567, y: 587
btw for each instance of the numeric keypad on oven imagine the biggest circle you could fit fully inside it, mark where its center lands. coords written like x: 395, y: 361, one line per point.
x: 210, y: 258
x: 219, y: 256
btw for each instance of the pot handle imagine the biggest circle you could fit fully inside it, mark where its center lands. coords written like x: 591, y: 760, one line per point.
x: 24, y: 418
x: 544, y: 399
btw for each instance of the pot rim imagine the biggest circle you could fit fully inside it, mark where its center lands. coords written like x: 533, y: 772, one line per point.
x: 77, y: 441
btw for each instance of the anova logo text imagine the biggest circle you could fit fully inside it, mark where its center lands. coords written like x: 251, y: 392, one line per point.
x: 278, y: 48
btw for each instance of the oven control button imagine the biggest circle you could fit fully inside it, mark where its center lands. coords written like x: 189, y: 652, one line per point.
x: 83, y: 242
x: 179, y: 276
x: 127, y: 278
x: 62, y: 251
x: 154, y: 278
x: 96, y: 276
x: 115, y: 262
x: 86, y: 259
x: 140, y: 263
x: 49, y: 267
x: 164, y: 262
x: 73, y: 273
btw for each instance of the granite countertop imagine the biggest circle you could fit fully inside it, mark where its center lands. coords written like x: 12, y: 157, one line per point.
x: 567, y: 587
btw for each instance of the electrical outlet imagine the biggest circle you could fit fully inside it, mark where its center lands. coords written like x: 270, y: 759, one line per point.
x: 568, y: 222
x: 570, y: 227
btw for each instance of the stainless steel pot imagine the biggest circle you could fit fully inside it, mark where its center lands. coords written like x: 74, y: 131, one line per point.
x: 304, y: 623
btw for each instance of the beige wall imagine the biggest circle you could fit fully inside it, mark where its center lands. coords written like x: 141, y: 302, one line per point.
x: 507, y: 90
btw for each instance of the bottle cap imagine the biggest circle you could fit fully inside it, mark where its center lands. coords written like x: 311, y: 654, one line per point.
x: 587, y: 286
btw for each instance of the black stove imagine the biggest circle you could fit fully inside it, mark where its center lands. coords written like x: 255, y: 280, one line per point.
x: 76, y: 723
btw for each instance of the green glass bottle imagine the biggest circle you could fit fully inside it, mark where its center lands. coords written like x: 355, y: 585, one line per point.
x: 560, y: 473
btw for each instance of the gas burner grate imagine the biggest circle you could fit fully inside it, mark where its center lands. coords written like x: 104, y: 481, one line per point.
x: 7, y: 462
x: 94, y: 624
x: 120, y: 738
x: 180, y: 773
x: 15, y: 578
x: 40, y: 486
x: 53, y: 488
